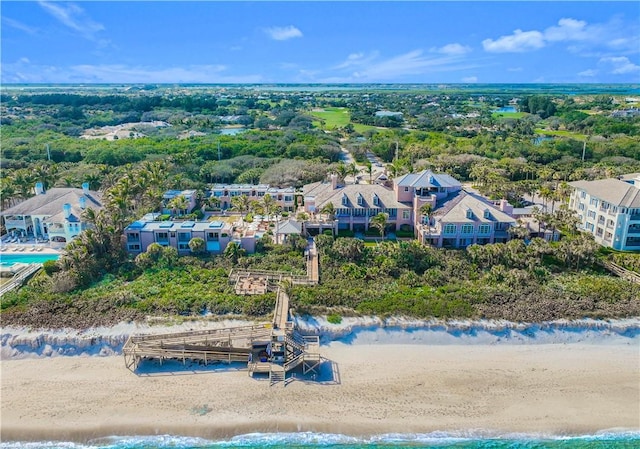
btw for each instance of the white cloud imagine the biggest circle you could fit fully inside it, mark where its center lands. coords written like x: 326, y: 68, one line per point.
x: 619, y: 65
x: 518, y: 42
x: 22, y: 72
x: 588, y: 73
x: 567, y: 30
x: 452, y: 49
x: 370, y: 68
x: 283, y: 33
x: 470, y: 79
x: 515, y: 69
x: 585, y: 39
x: 19, y: 25
x: 357, y: 60
x: 73, y: 17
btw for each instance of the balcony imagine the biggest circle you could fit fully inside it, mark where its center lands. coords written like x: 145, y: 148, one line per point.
x: 635, y: 217
x: 634, y: 229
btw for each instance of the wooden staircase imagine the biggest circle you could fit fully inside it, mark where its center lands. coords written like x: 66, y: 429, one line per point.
x: 276, y: 374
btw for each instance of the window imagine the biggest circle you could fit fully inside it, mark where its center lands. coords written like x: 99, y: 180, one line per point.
x: 599, y: 232
x: 449, y: 229
x: 162, y: 237
x: 486, y: 214
x: 134, y: 247
x: 406, y: 214
x: 580, y: 206
x: 484, y: 229
x: 589, y: 227
x: 583, y: 194
x: 406, y: 189
x: 184, y: 236
x: 212, y: 236
x: 133, y: 237
x: 591, y: 214
x: 467, y: 229
x: 360, y: 199
x: 469, y: 213
x: 260, y: 193
x: 376, y: 199
x: 345, y: 200
x: 288, y: 198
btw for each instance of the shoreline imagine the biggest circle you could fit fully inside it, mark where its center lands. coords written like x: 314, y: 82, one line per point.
x: 548, y: 389
x: 20, y: 342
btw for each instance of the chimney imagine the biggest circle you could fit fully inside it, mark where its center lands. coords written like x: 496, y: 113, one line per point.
x: 85, y: 188
x: 83, y: 202
x: 506, y: 207
x: 334, y: 181
x: 39, y: 188
x: 66, y: 208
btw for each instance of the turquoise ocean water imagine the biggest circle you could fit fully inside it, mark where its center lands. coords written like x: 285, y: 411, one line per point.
x: 308, y: 440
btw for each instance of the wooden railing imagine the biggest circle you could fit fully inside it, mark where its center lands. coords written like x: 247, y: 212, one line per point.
x: 20, y: 277
x: 616, y: 269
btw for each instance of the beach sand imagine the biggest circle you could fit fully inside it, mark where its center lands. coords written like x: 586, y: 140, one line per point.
x: 550, y: 389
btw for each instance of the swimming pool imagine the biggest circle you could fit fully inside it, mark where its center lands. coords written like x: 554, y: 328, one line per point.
x: 6, y: 260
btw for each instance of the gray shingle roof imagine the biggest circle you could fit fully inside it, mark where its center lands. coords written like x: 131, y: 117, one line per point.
x: 455, y: 210
x: 51, y: 202
x: 613, y: 191
x: 325, y: 194
x: 289, y: 227
x: 425, y: 179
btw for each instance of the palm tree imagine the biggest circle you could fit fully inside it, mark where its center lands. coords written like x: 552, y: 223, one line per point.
x: 380, y: 223
x: 342, y: 170
x: 269, y: 205
x: 197, y: 245
x: 240, y: 203
x: 179, y: 203
x: 330, y: 210
x: 233, y: 252
x: 425, y: 210
x: 369, y: 170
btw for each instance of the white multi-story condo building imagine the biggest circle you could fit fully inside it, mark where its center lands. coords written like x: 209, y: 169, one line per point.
x: 610, y: 210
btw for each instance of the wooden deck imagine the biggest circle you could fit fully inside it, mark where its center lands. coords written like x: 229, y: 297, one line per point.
x: 288, y: 349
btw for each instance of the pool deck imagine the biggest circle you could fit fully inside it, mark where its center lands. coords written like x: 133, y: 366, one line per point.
x: 26, y: 248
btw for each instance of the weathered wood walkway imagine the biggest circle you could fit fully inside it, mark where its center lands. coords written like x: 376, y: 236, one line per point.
x: 616, y: 269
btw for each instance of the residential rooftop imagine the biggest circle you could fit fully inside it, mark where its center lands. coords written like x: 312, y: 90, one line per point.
x: 614, y: 191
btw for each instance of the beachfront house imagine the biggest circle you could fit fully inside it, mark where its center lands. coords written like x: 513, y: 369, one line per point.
x: 55, y: 214
x: 170, y: 195
x: 216, y: 234
x: 284, y: 198
x: 609, y: 209
x: 354, y: 205
x: 433, y: 205
x: 465, y: 219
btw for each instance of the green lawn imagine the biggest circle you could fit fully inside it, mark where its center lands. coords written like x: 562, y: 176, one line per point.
x: 560, y: 133
x: 507, y: 115
x: 336, y: 118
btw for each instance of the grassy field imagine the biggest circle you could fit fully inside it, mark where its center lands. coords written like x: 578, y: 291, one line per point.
x: 336, y: 118
x: 508, y: 115
x: 560, y: 133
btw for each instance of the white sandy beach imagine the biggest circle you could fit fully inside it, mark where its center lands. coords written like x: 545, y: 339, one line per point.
x: 545, y: 388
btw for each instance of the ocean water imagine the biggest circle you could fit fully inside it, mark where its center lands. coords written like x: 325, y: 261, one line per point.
x: 309, y: 440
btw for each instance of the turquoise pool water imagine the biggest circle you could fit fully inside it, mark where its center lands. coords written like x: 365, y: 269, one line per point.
x: 6, y: 260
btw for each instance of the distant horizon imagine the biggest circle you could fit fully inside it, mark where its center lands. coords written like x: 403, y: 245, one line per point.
x: 264, y: 42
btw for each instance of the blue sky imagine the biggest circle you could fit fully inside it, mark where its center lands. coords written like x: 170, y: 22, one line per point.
x: 320, y: 42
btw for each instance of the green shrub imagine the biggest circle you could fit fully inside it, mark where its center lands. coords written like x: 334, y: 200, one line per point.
x: 330, y: 232
x: 343, y: 233
x: 334, y: 318
x: 163, y: 217
x: 50, y: 267
x: 248, y: 218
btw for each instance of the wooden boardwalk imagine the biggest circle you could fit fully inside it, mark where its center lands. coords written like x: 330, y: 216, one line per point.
x: 273, y: 349
x: 616, y: 269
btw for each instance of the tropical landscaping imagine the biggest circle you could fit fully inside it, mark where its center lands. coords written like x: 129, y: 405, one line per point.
x: 294, y: 138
